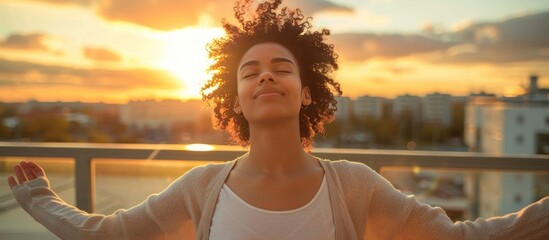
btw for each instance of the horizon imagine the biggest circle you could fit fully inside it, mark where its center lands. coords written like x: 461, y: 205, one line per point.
x: 199, y: 99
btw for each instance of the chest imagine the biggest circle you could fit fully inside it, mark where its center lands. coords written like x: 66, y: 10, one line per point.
x: 234, y: 218
x: 276, y: 194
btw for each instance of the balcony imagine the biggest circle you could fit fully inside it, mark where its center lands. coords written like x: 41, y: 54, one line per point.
x: 104, y: 177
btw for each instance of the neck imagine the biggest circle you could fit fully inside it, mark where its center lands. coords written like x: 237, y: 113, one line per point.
x: 275, y: 149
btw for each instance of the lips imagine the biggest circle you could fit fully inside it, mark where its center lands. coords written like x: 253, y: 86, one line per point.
x: 268, y: 91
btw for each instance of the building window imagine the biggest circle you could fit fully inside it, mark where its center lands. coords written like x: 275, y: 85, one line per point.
x: 520, y: 119
x: 519, y: 139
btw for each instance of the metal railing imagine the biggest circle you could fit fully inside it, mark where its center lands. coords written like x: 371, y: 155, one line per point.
x: 84, y: 153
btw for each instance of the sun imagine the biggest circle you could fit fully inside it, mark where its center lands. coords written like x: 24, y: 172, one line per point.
x: 186, y: 57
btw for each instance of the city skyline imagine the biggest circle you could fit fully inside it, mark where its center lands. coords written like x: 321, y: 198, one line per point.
x: 353, y: 98
x: 102, y: 51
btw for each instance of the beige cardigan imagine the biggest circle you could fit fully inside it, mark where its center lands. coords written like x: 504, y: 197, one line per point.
x: 364, y: 205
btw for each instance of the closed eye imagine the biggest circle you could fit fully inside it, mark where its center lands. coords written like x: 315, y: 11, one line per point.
x: 250, y: 75
x: 283, y: 71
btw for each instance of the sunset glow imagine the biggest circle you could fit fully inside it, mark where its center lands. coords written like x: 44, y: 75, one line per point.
x: 102, y: 51
x: 185, y: 56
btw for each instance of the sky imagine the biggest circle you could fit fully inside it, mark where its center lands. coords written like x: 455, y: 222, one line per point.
x: 119, y: 50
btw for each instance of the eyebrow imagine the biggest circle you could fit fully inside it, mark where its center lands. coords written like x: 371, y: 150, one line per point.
x: 277, y: 60
x: 274, y: 60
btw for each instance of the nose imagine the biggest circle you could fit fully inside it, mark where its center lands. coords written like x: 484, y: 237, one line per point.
x: 266, y: 76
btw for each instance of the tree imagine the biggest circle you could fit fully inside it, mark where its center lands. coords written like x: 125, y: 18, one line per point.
x: 386, y: 132
x: 457, y: 124
x: 48, y: 126
x: 433, y: 133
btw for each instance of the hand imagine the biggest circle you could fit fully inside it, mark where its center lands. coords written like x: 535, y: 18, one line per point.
x: 25, y: 171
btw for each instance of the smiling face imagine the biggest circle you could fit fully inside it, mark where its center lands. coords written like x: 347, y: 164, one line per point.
x: 269, y: 86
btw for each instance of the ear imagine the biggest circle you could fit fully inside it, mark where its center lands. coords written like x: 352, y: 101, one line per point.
x: 237, y: 109
x: 306, y: 96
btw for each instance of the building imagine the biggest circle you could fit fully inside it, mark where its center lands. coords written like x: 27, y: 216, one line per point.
x: 474, y: 119
x: 407, y: 104
x: 514, y: 128
x: 29, y: 106
x: 70, y: 111
x: 344, y: 108
x: 437, y: 108
x: 367, y: 106
x: 515, y: 125
x: 160, y: 114
x: 518, y: 125
x: 535, y: 93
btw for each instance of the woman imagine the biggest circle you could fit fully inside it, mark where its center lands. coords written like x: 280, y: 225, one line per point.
x: 272, y: 91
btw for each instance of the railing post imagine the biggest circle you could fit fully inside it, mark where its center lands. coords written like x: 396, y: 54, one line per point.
x: 83, y: 177
x: 476, y: 195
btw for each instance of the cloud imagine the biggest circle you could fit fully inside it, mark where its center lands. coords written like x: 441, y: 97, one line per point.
x: 176, y: 14
x: 34, y: 42
x: 161, y: 15
x: 101, y: 54
x: 310, y: 7
x: 67, y: 2
x: 173, y: 14
x: 24, y: 74
x: 528, y: 31
x: 362, y: 46
x: 520, y: 38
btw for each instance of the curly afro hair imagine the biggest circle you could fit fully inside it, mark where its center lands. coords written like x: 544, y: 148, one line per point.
x: 316, y: 60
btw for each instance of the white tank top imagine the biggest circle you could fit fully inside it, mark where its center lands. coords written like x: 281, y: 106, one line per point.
x: 234, y: 219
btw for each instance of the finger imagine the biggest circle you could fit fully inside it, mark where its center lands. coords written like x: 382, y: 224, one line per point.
x: 28, y: 171
x: 12, y: 182
x: 20, y: 175
x: 38, y: 171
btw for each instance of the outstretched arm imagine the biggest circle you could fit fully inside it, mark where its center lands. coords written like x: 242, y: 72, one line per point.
x: 24, y: 172
x: 161, y: 216
x: 393, y: 215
